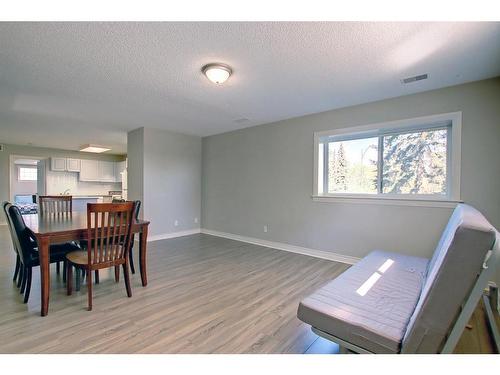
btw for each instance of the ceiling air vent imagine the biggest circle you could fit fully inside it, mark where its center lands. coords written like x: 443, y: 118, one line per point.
x: 414, y: 78
x: 241, y: 120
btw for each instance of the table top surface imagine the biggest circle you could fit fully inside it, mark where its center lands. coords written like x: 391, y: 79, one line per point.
x: 65, y: 222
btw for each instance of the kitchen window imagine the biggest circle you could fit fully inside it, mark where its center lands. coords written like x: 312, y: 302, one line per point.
x: 27, y: 174
x: 413, y: 160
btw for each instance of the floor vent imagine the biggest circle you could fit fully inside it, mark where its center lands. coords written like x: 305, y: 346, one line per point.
x: 414, y: 78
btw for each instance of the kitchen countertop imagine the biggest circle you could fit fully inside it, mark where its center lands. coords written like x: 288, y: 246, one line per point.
x: 90, y: 196
x: 87, y: 196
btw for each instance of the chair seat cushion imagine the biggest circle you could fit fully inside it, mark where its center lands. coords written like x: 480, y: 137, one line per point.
x: 370, y: 304
x: 81, y: 257
x: 78, y: 257
x: 57, y: 252
x: 63, y: 248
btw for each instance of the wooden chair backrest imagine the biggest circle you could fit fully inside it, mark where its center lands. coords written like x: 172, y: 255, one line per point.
x: 108, y: 231
x: 55, y: 204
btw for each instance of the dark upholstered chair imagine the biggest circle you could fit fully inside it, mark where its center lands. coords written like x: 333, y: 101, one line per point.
x: 5, y: 207
x: 27, y: 247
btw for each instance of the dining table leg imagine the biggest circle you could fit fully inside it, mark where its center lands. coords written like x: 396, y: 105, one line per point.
x: 43, y: 251
x: 143, y: 237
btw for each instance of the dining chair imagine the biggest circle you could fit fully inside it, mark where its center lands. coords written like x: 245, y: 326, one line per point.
x: 55, y: 204
x: 5, y: 207
x: 27, y: 246
x: 137, y: 208
x: 108, y: 243
x: 83, y: 243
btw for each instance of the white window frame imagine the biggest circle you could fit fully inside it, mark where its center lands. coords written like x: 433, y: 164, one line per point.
x: 19, y: 167
x: 452, y: 120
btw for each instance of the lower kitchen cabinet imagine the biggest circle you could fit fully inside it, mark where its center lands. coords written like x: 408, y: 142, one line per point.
x: 80, y: 204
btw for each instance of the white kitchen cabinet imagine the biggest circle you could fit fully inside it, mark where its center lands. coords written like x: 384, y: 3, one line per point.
x: 89, y: 170
x: 58, y: 164
x: 119, y: 169
x: 100, y: 171
x: 106, y: 171
x: 80, y: 203
x: 73, y: 165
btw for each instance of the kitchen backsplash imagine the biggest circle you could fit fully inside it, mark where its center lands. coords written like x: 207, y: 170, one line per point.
x: 58, y: 182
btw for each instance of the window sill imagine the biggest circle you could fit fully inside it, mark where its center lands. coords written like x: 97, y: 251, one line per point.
x: 391, y: 201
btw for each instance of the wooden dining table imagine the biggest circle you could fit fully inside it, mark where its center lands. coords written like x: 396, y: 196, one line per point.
x: 62, y: 227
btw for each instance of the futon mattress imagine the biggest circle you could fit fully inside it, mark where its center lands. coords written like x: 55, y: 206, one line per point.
x: 370, y: 304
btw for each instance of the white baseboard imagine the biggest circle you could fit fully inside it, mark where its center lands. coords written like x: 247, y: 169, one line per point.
x: 285, y: 247
x: 166, y: 236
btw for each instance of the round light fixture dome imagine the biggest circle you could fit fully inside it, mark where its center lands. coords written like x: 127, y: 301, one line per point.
x: 217, y: 73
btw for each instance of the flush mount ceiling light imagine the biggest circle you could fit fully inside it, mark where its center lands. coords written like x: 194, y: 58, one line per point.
x: 94, y: 148
x: 217, y: 73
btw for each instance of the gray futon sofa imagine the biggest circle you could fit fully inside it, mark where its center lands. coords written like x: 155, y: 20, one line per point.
x: 394, y: 303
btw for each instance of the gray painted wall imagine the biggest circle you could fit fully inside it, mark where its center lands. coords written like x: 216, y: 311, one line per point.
x: 263, y: 176
x: 38, y: 152
x: 171, y: 179
x: 135, y: 166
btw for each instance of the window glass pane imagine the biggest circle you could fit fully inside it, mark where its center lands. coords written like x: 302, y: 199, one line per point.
x: 415, y: 163
x: 27, y: 174
x: 352, y: 166
x: 321, y: 167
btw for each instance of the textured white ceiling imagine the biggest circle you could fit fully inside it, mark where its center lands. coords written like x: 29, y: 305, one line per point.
x: 66, y: 84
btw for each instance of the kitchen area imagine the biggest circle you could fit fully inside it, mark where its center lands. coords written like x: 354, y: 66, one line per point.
x: 86, y: 180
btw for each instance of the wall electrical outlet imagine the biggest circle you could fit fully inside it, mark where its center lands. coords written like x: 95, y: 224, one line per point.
x: 196, y: 220
x: 176, y: 223
x: 265, y: 228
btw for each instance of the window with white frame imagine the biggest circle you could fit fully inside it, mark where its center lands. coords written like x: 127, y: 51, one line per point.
x: 409, y: 159
x: 27, y: 174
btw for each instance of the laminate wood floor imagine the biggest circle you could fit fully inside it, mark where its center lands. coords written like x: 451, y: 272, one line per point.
x: 205, y: 295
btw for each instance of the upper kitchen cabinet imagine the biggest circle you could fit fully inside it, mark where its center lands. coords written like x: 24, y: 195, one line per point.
x: 58, y: 164
x: 97, y: 170
x: 89, y: 170
x: 73, y: 165
x: 106, y: 171
x: 64, y: 164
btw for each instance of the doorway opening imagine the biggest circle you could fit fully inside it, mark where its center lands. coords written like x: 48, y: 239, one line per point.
x: 24, y: 182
